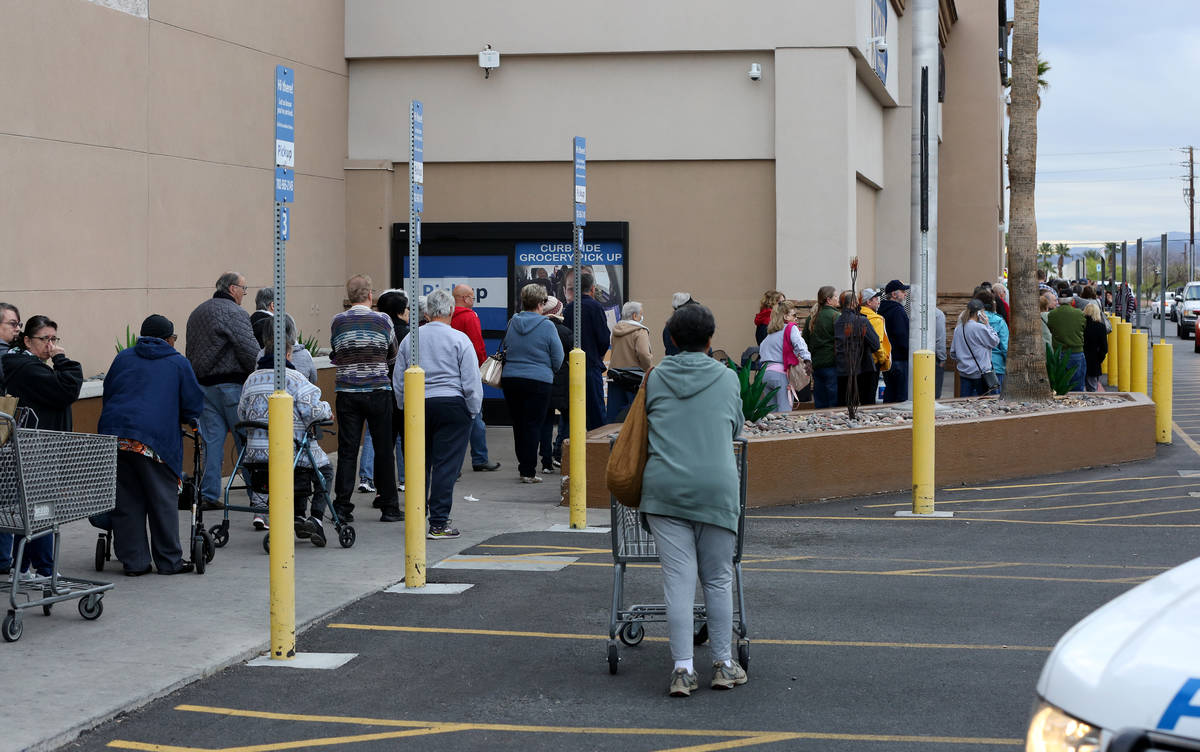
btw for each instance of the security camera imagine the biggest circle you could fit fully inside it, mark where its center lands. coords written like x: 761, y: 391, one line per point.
x: 755, y: 71
x: 881, y: 45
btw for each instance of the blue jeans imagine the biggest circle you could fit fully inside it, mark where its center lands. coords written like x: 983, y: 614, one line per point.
x: 824, y: 387
x: 1080, y: 362
x: 618, y: 400
x: 6, y: 551
x: 218, y: 419
x: 366, y: 463
x: 971, y: 387
x: 479, y: 453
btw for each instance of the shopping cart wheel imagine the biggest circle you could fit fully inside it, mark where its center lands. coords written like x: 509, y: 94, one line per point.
x: 12, y: 627
x: 220, y: 535
x: 47, y: 608
x: 101, y: 552
x: 210, y: 546
x: 198, y: 559
x: 700, y: 634
x: 744, y: 655
x: 631, y: 633
x: 346, y: 536
x: 91, y: 606
x: 614, y: 657
x: 267, y: 543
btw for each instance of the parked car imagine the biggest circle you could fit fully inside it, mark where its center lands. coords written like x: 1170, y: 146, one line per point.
x: 1187, y: 306
x: 1170, y: 308
x: 1125, y: 678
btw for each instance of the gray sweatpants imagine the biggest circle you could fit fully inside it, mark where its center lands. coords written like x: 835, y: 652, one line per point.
x: 685, y: 549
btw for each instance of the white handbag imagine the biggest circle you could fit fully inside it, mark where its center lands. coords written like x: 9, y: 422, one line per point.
x: 492, y: 368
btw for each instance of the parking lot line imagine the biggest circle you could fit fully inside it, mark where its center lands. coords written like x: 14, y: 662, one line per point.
x: 1041, y: 496
x: 756, y: 640
x: 734, y: 739
x: 1114, y: 502
x: 931, y: 520
x: 959, y: 489
x: 1186, y: 439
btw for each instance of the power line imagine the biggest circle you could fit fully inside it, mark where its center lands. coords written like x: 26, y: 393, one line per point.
x: 1110, y: 180
x: 1118, y: 151
x: 1101, y: 169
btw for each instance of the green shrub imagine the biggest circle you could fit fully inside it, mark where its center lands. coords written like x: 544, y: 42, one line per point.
x: 755, y: 404
x: 312, y: 344
x: 130, y: 339
x: 1059, y: 370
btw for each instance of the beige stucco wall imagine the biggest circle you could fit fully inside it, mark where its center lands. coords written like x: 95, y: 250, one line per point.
x: 137, y: 153
x: 703, y: 227
x: 970, y: 162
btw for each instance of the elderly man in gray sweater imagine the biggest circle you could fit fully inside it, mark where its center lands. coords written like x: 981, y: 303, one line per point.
x: 453, y: 397
x: 223, y: 350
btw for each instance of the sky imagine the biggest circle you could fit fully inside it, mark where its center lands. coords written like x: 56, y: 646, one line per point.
x: 1124, y: 95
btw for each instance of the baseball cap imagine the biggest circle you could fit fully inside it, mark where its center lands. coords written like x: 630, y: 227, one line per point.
x: 868, y: 293
x: 893, y: 286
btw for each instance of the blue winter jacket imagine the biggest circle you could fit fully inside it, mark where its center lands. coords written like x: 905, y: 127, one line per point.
x: 149, y: 390
x: 532, y: 349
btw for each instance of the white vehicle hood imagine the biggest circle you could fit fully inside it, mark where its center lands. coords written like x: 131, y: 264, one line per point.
x: 1135, y: 661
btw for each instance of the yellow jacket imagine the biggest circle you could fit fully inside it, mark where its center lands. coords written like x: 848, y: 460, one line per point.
x: 883, y: 356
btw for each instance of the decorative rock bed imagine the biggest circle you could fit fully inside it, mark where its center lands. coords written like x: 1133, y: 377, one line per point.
x: 811, y: 455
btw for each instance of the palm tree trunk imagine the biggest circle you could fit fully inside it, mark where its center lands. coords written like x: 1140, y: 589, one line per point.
x: 1026, y: 378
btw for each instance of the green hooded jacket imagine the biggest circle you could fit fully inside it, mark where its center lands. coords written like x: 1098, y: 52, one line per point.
x: 820, y: 338
x: 694, y: 407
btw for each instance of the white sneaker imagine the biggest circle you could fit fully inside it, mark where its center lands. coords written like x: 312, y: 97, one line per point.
x: 260, y: 522
x: 401, y: 487
x: 531, y: 479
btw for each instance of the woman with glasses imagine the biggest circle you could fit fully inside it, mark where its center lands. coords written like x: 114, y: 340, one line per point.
x: 40, y: 375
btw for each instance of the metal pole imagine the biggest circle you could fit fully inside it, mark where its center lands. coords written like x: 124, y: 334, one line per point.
x: 1162, y: 299
x: 414, y: 375
x: 1124, y: 280
x: 577, y: 361
x: 1191, y: 215
x: 1138, y: 286
x: 923, y: 248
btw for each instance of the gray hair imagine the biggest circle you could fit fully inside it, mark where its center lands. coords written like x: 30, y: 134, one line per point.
x: 439, y: 304
x: 264, y: 298
x: 630, y: 309
x: 289, y: 337
x: 227, y: 279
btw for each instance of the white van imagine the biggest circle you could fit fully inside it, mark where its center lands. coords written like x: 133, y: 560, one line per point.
x: 1186, y: 308
x: 1127, y: 677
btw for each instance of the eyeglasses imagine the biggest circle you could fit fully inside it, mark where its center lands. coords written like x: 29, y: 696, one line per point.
x: 235, y: 284
x: 14, y: 323
x: 48, y: 338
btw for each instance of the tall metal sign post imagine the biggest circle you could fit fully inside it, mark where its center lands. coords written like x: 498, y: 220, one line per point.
x: 279, y: 407
x: 577, y: 368
x: 414, y: 375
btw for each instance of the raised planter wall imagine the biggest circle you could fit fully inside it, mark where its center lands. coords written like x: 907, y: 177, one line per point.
x: 796, y: 468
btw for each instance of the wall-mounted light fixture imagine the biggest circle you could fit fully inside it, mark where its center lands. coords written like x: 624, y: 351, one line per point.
x: 755, y: 71
x: 489, y: 59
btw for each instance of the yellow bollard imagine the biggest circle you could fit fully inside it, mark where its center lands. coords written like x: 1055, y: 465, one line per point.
x: 414, y: 477
x: 922, y: 432
x: 1110, y: 360
x: 1138, y: 375
x: 280, y: 463
x: 1163, y: 354
x: 1124, y: 332
x: 577, y: 412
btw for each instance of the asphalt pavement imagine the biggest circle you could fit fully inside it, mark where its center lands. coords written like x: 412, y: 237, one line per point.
x: 866, y: 630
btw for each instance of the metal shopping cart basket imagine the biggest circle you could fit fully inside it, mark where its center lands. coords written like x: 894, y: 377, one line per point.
x: 47, y: 479
x: 632, y: 542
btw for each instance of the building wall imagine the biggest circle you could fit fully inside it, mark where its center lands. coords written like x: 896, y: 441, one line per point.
x: 970, y: 201
x: 702, y: 227
x: 137, y: 148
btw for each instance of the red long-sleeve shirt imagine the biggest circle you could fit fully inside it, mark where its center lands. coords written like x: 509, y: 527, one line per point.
x: 466, y: 321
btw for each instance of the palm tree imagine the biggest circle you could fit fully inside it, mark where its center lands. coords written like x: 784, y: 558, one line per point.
x: 1062, y: 250
x: 1092, y: 255
x: 1044, y: 252
x: 1026, y: 378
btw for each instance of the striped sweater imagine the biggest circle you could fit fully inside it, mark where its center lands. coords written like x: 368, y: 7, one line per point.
x: 363, y: 345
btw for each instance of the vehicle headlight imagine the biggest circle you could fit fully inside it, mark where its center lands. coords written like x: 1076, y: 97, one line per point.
x: 1052, y: 730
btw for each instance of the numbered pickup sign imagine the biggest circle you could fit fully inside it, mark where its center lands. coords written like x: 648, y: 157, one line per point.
x: 285, y: 185
x: 580, y: 149
x: 285, y: 116
x: 417, y: 154
x: 284, y: 223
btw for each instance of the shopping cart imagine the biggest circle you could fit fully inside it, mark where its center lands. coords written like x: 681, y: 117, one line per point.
x: 632, y: 542
x: 47, y: 479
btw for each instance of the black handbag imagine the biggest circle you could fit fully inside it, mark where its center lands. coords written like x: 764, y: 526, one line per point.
x: 990, y: 379
x: 629, y: 379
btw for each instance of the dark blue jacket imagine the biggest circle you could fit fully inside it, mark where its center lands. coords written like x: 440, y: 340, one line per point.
x: 595, y: 335
x: 149, y: 390
x: 895, y: 324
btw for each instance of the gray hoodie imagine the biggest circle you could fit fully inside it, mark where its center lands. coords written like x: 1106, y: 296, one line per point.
x: 972, y: 348
x: 694, y: 407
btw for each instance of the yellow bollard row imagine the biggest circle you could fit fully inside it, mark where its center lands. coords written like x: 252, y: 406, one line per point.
x: 414, y: 477
x: 577, y: 416
x: 1162, y: 392
x: 1124, y: 332
x: 280, y: 463
x: 1138, y: 345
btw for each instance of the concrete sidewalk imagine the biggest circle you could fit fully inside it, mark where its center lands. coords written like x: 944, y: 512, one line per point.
x: 160, y: 633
